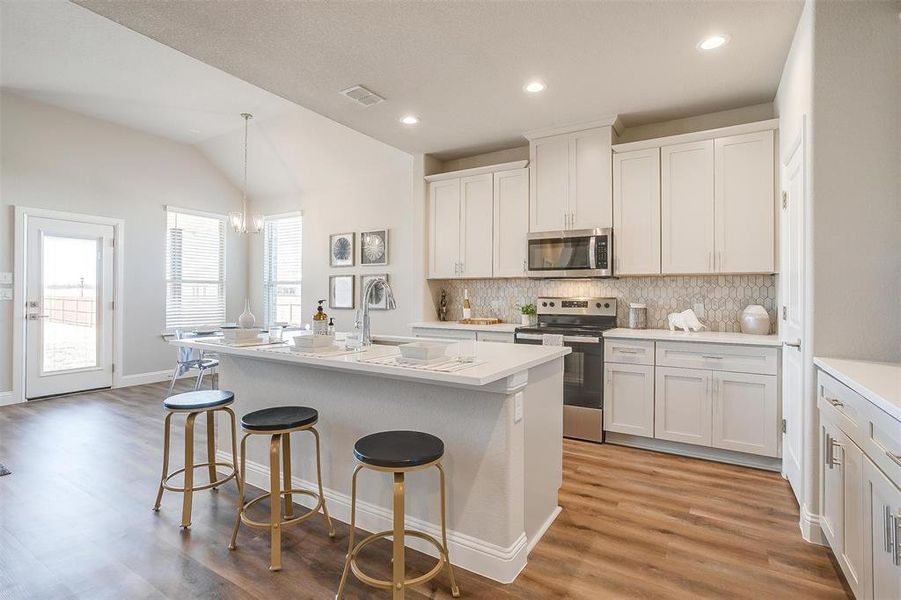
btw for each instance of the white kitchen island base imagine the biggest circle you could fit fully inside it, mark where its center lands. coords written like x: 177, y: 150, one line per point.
x: 504, y: 469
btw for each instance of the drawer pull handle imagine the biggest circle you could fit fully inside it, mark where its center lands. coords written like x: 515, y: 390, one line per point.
x: 627, y: 351
x: 834, y: 402
x: 712, y: 357
x: 894, y: 458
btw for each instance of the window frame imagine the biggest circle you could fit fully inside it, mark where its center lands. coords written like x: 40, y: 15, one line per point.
x: 268, y: 283
x: 223, y: 262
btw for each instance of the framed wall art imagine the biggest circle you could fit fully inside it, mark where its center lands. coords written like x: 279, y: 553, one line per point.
x: 341, y: 291
x: 374, y: 248
x: 341, y: 249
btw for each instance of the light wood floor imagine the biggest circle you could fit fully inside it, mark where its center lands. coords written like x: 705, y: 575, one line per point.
x: 76, y: 522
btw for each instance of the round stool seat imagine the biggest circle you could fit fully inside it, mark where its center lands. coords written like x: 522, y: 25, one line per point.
x: 398, y: 449
x: 200, y: 400
x: 279, y: 417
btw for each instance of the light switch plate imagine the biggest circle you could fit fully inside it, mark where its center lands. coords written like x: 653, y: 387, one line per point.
x: 6, y: 294
x: 6, y: 278
x: 517, y: 407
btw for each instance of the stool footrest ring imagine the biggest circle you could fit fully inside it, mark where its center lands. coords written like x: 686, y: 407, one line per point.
x: 384, y: 584
x: 228, y: 477
x: 284, y: 523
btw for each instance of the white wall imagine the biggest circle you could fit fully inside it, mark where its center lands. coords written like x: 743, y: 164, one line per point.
x: 343, y: 181
x: 52, y: 158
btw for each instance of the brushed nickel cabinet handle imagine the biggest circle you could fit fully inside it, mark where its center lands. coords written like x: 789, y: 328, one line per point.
x: 896, y: 538
x: 834, y: 401
x: 712, y: 357
x: 894, y: 458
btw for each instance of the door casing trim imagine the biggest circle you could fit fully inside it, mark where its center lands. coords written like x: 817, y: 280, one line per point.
x: 22, y: 215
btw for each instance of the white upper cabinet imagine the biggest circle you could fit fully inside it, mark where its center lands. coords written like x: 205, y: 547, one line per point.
x: 477, y: 218
x: 571, y: 181
x: 744, y: 203
x: 636, y: 212
x: 549, y: 168
x: 687, y: 191
x: 590, y: 200
x: 511, y: 222
x: 444, y: 228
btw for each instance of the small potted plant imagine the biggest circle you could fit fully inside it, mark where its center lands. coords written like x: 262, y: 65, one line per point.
x: 528, y: 314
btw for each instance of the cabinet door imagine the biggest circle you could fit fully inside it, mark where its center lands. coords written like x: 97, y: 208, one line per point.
x: 477, y: 218
x: 882, y: 505
x: 745, y: 413
x: 444, y: 228
x: 682, y: 406
x: 629, y: 399
x: 549, y: 187
x: 590, y: 195
x: 687, y: 207
x: 852, y: 555
x: 745, y: 203
x: 636, y: 212
x: 832, y: 500
x: 511, y: 222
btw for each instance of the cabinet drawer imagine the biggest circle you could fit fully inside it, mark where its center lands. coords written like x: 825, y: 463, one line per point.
x: 843, y: 406
x: 636, y: 352
x: 495, y: 336
x: 718, y: 357
x: 882, y: 441
x: 444, y: 334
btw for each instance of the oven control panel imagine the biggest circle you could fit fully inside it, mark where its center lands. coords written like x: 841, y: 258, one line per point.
x: 604, y: 307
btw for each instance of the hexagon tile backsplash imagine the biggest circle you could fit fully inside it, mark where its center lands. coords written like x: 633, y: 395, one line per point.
x: 723, y: 296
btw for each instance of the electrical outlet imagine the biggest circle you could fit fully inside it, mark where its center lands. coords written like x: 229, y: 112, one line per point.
x: 698, y: 307
x: 517, y: 407
x: 6, y: 294
x: 6, y: 278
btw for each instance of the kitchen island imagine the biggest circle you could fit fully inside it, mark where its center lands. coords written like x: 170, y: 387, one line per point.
x: 501, y: 420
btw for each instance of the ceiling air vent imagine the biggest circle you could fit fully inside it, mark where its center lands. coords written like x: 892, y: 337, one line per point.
x: 360, y: 94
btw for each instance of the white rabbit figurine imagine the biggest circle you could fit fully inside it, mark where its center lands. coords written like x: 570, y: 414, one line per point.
x: 686, y: 320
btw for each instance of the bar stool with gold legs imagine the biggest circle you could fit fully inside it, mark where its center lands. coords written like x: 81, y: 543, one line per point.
x: 195, y: 403
x: 279, y: 422
x: 399, y: 453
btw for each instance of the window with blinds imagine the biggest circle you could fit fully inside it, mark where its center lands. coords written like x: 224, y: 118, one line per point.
x: 195, y: 269
x: 282, y: 269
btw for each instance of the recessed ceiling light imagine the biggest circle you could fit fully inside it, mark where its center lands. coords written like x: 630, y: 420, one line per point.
x: 194, y: 131
x: 714, y: 41
x: 533, y: 87
x: 409, y: 120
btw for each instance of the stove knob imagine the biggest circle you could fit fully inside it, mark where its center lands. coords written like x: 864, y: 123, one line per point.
x: 606, y: 305
x: 552, y: 303
x: 544, y: 304
x: 598, y: 305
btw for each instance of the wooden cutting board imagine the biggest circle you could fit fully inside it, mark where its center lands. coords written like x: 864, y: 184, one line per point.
x: 480, y: 321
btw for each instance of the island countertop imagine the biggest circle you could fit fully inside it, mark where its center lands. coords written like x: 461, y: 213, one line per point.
x: 493, y: 361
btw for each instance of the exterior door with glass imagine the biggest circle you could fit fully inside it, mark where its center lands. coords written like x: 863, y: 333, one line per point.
x: 69, y: 307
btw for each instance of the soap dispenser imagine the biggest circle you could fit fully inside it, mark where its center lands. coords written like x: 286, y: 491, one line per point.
x: 320, y: 320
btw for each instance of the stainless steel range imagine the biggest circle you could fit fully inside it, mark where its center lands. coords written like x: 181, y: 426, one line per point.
x: 581, y: 322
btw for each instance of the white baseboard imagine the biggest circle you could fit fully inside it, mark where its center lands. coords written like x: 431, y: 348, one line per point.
x: 149, y: 377
x: 7, y: 398
x: 810, y: 527
x: 715, y: 454
x: 466, y: 552
x: 544, y: 527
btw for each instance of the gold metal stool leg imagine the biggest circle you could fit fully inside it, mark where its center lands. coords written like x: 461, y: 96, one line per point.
x: 159, y: 494
x: 275, y: 508
x: 242, y: 473
x: 399, y: 571
x: 286, y: 467
x: 455, y: 591
x: 211, y: 446
x: 189, y: 471
x: 350, y: 537
x: 328, y: 520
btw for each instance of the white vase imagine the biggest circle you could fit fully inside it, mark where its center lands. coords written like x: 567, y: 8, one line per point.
x: 246, y: 320
x: 755, y: 320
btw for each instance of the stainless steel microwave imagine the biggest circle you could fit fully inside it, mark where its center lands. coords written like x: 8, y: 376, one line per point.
x: 576, y: 253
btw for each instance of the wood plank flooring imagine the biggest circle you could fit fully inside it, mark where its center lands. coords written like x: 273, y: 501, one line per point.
x: 76, y: 522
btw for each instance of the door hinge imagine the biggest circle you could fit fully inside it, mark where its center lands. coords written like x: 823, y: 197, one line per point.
x: 784, y: 426
x: 113, y: 365
x: 112, y: 305
x: 784, y: 200
x: 784, y: 313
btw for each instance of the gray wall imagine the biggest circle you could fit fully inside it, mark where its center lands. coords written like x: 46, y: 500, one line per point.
x: 55, y: 159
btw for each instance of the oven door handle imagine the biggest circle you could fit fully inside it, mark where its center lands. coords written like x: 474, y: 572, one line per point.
x: 577, y: 339
x: 592, y: 252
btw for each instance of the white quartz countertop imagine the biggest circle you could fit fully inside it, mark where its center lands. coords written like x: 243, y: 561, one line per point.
x: 709, y: 337
x: 878, y: 382
x: 493, y: 361
x: 500, y: 327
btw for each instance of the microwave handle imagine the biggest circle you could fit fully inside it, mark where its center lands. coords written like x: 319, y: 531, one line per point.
x: 592, y: 252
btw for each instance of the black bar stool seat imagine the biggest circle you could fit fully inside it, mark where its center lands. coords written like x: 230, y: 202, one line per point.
x: 398, y: 449
x: 200, y: 400
x: 279, y: 417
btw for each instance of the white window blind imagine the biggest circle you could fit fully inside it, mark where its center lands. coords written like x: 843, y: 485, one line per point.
x: 195, y: 269
x: 282, y: 269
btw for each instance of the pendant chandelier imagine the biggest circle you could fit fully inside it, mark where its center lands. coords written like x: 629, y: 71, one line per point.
x: 242, y: 222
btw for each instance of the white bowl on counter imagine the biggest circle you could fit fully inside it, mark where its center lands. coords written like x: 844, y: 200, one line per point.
x: 422, y: 350
x: 237, y: 334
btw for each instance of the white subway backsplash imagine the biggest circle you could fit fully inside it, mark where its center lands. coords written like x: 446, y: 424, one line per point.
x: 723, y: 296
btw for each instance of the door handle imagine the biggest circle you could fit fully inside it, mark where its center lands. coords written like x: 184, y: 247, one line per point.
x: 35, y: 317
x: 792, y: 344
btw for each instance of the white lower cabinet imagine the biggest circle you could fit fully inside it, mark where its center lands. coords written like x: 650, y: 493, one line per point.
x: 682, y: 406
x: 629, y: 399
x: 745, y: 413
x: 882, y: 530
